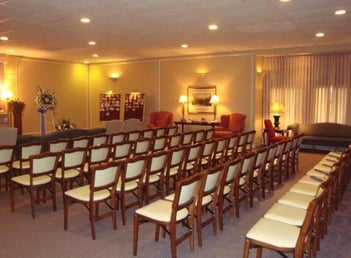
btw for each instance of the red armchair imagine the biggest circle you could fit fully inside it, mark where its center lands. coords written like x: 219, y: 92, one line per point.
x: 230, y: 124
x: 271, y: 133
x: 160, y: 119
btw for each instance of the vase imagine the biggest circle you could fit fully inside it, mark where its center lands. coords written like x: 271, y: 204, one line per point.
x: 42, y: 123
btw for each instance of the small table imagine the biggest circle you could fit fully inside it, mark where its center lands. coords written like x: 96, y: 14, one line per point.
x: 182, y: 123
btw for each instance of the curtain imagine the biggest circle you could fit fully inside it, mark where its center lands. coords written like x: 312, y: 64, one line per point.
x: 313, y: 88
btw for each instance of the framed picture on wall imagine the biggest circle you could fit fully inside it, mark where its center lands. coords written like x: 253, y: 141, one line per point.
x: 199, y: 99
x: 110, y: 105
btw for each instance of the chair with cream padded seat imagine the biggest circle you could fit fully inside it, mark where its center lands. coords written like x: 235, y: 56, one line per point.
x: 6, y: 158
x: 161, y: 131
x: 96, y: 155
x: 187, y: 138
x: 42, y: 167
x: 142, y: 147
x: 228, y: 190
x: 58, y: 145
x: 81, y: 142
x: 220, y: 150
x: 174, y: 140
x: 166, y: 214
x: 131, y: 183
x: 158, y: 143
x: 117, y: 137
x: 174, y: 167
x: 122, y: 150
x: 133, y: 135
x: 71, y: 167
x: 192, y: 158
x: 99, y: 139
x: 172, y: 130
x: 206, y: 160
x: 283, y: 237
x: 147, y: 133
x: 199, y: 136
x: 101, y: 189
x: 21, y: 164
x: 206, y: 201
x: 231, y: 150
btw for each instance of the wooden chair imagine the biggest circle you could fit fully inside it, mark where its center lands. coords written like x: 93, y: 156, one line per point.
x: 220, y: 150
x: 100, y: 139
x: 81, y: 142
x: 206, y: 159
x: 6, y: 159
x: 131, y: 182
x: 21, y: 164
x: 199, y: 136
x: 192, y: 158
x: 271, y: 133
x: 117, y: 138
x: 58, y: 145
x: 172, y: 130
x: 231, y: 150
x: 101, y: 189
x: 206, y: 201
x: 71, y: 167
x: 282, y: 237
x: 122, y: 150
x: 142, y: 147
x: 159, y: 143
x: 154, y: 175
x: 174, y: 167
x: 167, y: 214
x: 96, y: 155
x: 228, y: 190
x: 174, y: 140
x: 133, y: 135
x: 41, y: 168
x: 187, y: 138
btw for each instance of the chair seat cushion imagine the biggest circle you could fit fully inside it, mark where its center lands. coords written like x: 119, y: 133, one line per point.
x: 69, y: 173
x: 304, y: 188
x: 274, y: 233
x: 82, y: 193
x: 311, y: 179
x: 25, y: 180
x: 296, y: 199
x: 4, y: 169
x: 128, y: 186
x: 287, y: 214
x: 161, y: 210
x: 17, y: 164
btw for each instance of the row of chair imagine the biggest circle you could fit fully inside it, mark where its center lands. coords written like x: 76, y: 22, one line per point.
x: 220, y: 188
x: 299, y: 219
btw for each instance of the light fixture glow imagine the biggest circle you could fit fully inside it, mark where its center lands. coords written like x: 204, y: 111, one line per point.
x: 92, y: 43
x: 284, y: 1
x: 340, y: 12
x: 114, y: 76
x: 95, y: 55
x: 86, y: 62
x: 320, y: 34
x: 4, y: 38
x: 85, y: 20
x: 184, y: 45
x: 212, y: 27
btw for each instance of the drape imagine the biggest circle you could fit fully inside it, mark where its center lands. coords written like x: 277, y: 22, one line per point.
x: 312, y: 88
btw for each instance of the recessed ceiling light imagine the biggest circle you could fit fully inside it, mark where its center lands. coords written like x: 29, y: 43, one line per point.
x: 4, y: 38
x: 85, y: 20
x: 320, y: 34
x: 340, y: 12
x: 284, y: 1
x: 95, y: 55
x: 184, y: 45
x: 212, y: 27
x: 92, y: 43
x: 11, y: 50
x: 86, y: 62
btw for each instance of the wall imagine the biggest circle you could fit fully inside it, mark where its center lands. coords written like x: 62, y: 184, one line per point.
x: 78, y: 86
x: 69, y: 83
x: 233, y: 76
x: 134, y: 76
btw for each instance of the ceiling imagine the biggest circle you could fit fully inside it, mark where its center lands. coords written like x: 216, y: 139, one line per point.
x: 142, y: 29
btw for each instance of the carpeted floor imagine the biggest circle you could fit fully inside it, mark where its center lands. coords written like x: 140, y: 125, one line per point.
x: 22, y: 236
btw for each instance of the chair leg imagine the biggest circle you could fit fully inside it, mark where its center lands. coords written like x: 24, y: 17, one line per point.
x: 12, y: 192
x: 173, y: 239
x: 135, y: 234
x: 32, y: 201
x: 246, y: 248
x: 92, y: 212
x: 65, y: 212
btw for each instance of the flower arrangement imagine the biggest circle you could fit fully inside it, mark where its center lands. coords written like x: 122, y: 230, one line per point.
x: 45, y: 99
x: 16, y: 106
x: 65, y: 124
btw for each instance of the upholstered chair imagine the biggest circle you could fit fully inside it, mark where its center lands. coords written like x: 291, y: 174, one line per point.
x: 233, y: 123
x: 271, y: 133
x: 160, y: 119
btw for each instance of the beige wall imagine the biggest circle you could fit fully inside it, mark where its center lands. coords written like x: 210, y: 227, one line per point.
x: 134, y: 76
x: 69, y: 83
x: 77, y: 86
x: 233, y: 76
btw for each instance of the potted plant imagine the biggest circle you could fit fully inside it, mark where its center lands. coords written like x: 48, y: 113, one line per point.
x: 17, y: 108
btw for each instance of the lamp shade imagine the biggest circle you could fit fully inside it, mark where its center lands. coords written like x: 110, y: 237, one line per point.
x: 182, y: 99
x: 214, y: 99
x: 277, y: 108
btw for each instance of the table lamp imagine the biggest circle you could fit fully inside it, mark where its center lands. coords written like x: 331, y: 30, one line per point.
x: 277, y: 109
x: 214, y: 101
x: 183, y: 100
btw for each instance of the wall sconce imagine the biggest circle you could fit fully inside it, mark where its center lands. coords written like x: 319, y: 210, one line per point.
x: 214, y: 101
x: 114, y: 76
x: 277, y: 109
x: 183, y: 99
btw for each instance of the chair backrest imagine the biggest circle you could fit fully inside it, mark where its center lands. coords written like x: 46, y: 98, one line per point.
x: 187, y: 138
x: 117, y: 137
x: 134, y: 169
x: 161, y: 131
x: 148, y: 133
x: 176, y: 157
x: 142, y: 147
x: 160, y: 119
x: 6, y: 154
x: 73, y: 158
x: 43, y: 164
x: 224, y: 121
x: 237, y: 122
x: 81, y: 142
x: 247, y: 167
x: 185, y: 192
x: 230, y: 173
x: 133, y: 135
x: 172, y: 130
x: 232, y: 146
x: 159, y: 143
x: 250, y: 140
x: 58, y: 145
x: 8, y: 135
x: 199, y: 136
x: 156, y: 164
x: 99, y: 139
x: 210, y: 180
x: 174, y: 140
x: 113, y: 126
x: 209, y: 134
x: 122, y: 150
x: 99, y: 154
x: 28, y: 149
x: 104, y: 176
